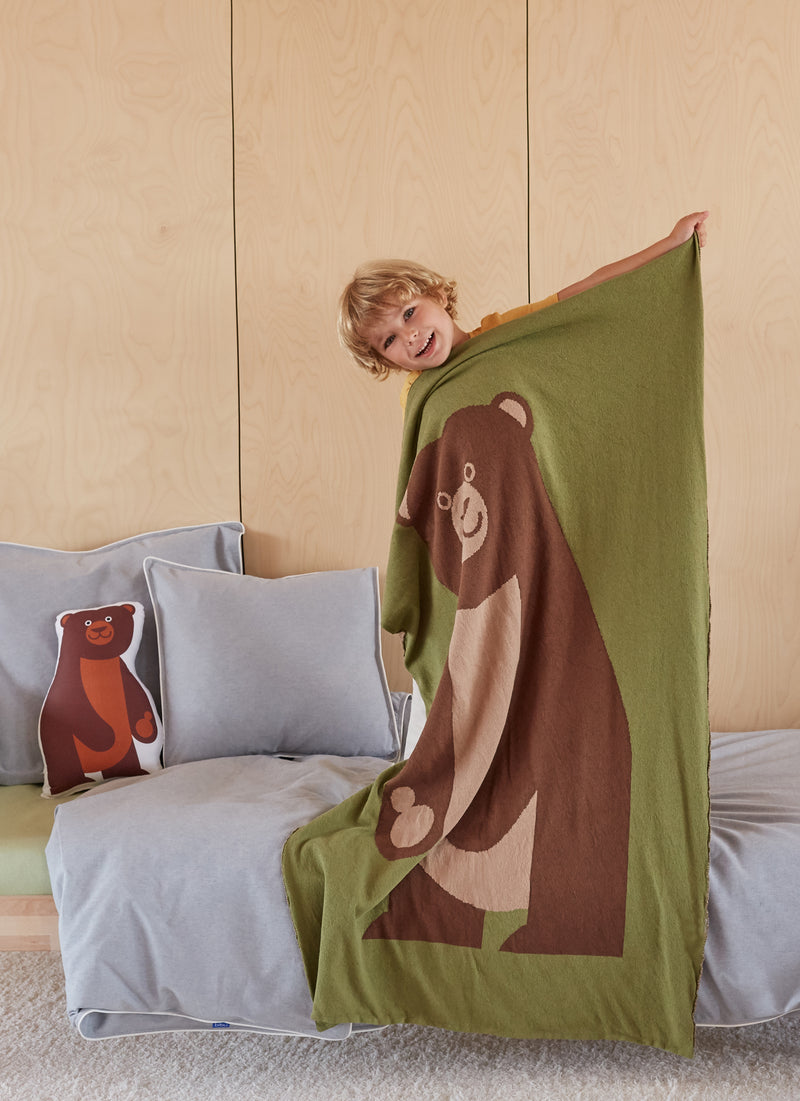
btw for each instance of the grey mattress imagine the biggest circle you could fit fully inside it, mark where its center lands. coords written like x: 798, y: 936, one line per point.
x: 173, y: 913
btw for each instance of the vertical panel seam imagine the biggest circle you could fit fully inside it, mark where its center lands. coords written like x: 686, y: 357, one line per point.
x: 528, y: 139
x: 236, y: 269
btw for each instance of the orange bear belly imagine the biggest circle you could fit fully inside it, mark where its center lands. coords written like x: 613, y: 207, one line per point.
x: 102, y: 683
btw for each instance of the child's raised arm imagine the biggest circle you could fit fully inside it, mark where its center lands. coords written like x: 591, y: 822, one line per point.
x: 681, y: 233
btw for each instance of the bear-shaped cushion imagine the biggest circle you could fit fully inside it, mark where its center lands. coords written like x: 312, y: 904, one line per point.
x: 98, y: 720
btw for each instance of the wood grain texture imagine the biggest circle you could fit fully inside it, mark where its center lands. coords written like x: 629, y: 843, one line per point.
x: 644, y: 112
x: 364, y: 128
x: 28, y: 923
x: 117, y: 305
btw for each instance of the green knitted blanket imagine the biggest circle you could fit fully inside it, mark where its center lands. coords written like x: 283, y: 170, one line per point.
x: 538, y: 866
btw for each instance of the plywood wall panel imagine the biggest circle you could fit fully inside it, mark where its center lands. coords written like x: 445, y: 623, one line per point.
x: 643, y: 112
x: 363, y: 128
x: 366, y: 128
x: 117, y: 305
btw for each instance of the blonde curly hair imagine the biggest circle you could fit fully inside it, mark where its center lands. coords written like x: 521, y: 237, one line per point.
x: 375, y: 287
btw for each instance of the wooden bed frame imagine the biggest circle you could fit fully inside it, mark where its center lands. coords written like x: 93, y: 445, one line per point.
x: 28, y: 923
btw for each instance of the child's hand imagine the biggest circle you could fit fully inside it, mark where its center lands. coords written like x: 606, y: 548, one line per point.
x: 686, y: 227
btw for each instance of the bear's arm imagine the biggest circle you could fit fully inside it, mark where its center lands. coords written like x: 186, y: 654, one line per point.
x: 464, y: 728
x: 140, y: 710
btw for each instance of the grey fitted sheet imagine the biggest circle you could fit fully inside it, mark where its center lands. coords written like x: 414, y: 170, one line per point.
x: 751, y: 970
x: 173, y: 913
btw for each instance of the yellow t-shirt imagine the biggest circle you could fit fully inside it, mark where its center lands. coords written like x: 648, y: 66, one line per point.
x: 491, y: 321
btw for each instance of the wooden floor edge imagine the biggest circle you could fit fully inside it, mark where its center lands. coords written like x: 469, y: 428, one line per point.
x: 28, y: 923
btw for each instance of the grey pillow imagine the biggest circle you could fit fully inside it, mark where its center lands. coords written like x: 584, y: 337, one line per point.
x: 36, y: 583
x: 286, y: 666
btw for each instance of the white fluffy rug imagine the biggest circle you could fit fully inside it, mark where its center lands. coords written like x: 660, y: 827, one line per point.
x: 42, y: 1058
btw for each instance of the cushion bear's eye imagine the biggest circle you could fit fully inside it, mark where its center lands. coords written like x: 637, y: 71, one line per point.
x: 87, y: 623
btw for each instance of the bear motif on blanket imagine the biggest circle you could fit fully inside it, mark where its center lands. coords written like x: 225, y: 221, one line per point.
x: 517, y: 795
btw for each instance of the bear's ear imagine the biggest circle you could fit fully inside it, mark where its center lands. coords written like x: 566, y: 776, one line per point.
x: 129, y: 608
x: 517, y: 408
x: 64, y: 619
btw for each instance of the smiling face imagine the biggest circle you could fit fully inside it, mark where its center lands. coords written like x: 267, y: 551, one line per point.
x: 468, y: 513
x: 417, y: 334
x: 99, y: 632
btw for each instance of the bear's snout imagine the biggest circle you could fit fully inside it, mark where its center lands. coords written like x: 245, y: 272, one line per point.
x: 99, y: 633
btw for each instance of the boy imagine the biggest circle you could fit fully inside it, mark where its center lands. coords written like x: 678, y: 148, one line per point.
x: 399, y: 316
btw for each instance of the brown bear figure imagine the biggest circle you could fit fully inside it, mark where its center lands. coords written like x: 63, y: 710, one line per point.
x: 519, y: 788
x: 96, y: 709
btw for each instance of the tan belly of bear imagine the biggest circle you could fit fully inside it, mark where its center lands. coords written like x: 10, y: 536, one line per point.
x: 496, y: 879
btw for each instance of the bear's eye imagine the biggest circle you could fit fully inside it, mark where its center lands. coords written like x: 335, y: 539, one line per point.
x: 87, y: 623
x: 108, y: 619
x: 444, y: 501
x: 469, y: 472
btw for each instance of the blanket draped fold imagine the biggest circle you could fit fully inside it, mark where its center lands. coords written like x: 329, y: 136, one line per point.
x: 538, y: 866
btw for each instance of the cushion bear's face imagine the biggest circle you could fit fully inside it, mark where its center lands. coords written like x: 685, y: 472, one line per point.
x: 98, y: 632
